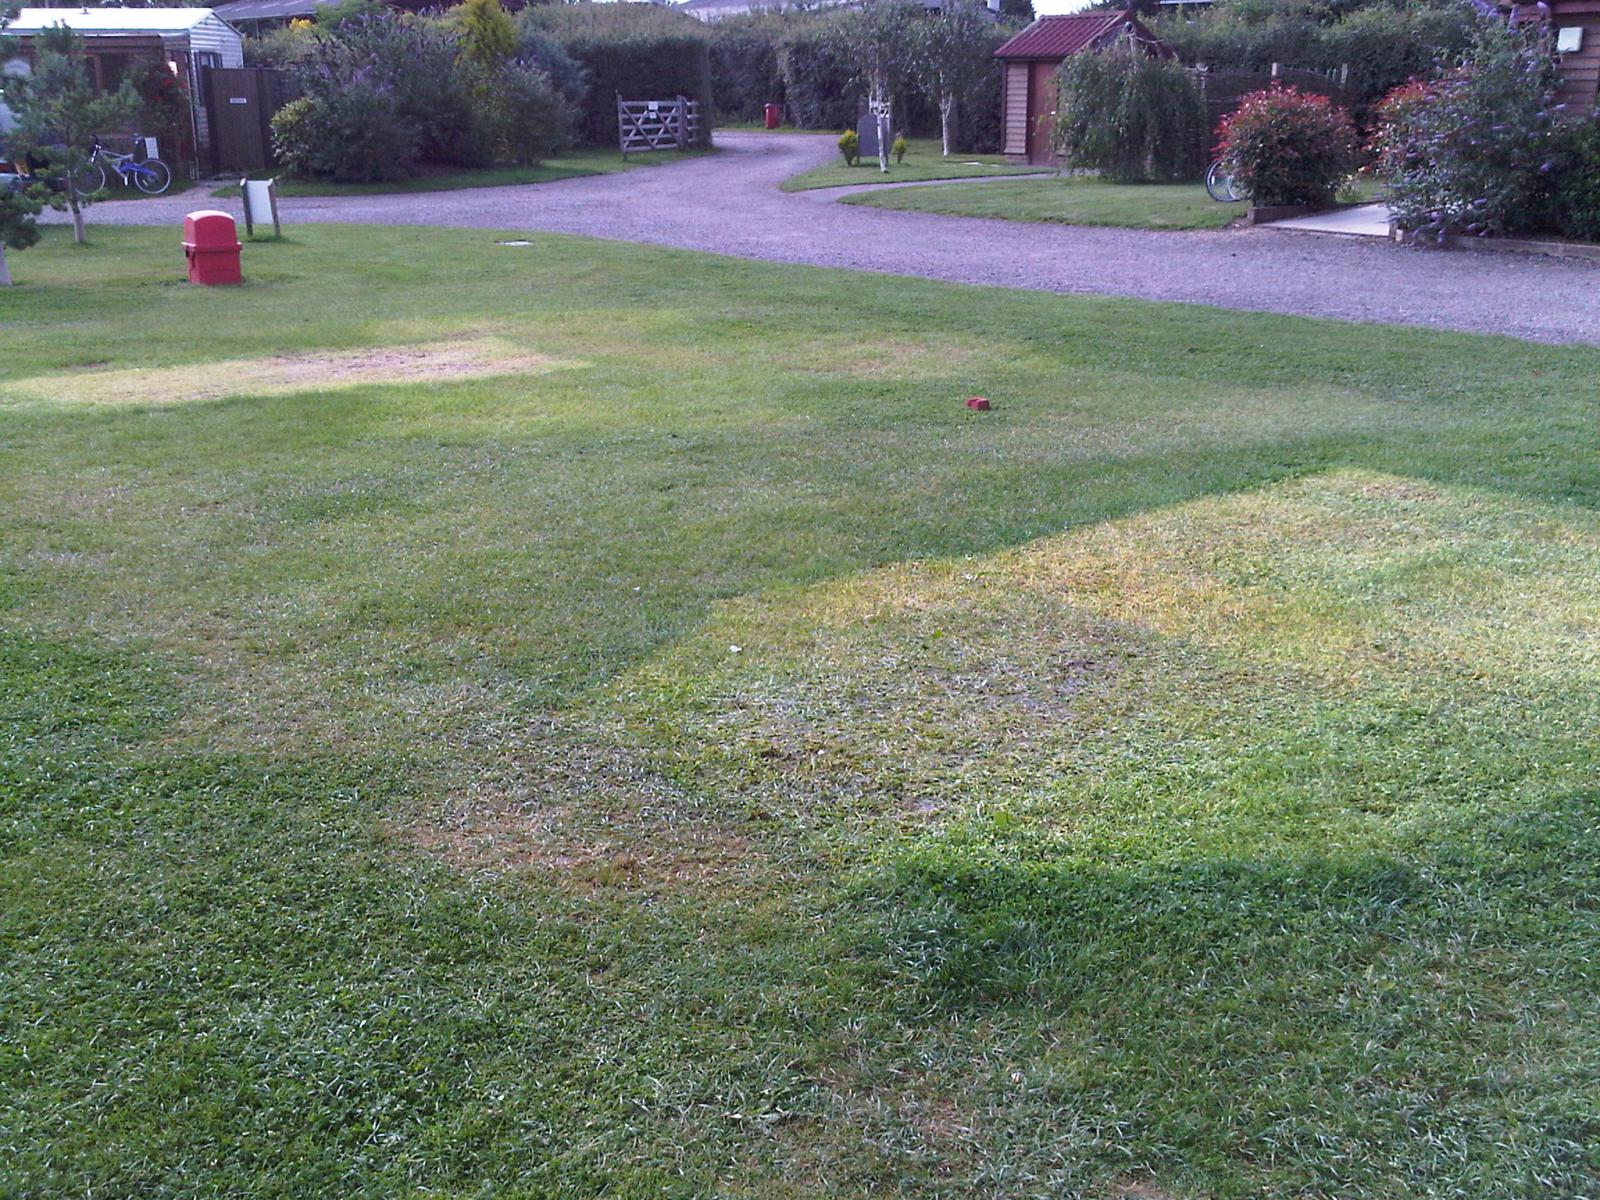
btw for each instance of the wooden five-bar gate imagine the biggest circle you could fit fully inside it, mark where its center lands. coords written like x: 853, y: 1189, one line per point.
x: 659, y: 124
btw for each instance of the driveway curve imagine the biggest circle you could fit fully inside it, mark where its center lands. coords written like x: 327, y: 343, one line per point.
x: 729, y: 203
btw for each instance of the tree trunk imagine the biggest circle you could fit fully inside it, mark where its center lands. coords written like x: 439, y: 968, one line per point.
x: 5, y: 267
x: 77, y: 216
x: 947, y: 120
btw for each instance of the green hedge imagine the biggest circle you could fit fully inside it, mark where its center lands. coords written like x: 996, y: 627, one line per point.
x: 745, y: 75
x: 818, y: 83
x: 639, y: 51
x: 1383, y: 45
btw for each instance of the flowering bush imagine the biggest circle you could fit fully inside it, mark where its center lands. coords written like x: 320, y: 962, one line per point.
x: 1391, y: 116
x: 1285, y: 146
x: 1478, y: 150
x: 381, y: 91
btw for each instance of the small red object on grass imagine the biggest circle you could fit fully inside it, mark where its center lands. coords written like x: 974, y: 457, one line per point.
x: 978, y: 403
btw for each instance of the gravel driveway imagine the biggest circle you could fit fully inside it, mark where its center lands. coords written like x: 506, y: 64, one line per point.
x: 729, y: 204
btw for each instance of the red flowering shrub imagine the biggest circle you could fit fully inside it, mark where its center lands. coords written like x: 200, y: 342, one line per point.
x: 1391, y: 115
x: 1285, y: 146
x: 163, y: 102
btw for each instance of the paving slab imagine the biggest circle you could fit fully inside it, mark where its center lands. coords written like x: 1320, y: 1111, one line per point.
x: 1364, y: 220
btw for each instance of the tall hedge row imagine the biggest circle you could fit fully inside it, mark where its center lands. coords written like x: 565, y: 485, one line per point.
x: 745, y: 72
x: 640, y: 51
x: 1383, y: 44
x: 819, y: 90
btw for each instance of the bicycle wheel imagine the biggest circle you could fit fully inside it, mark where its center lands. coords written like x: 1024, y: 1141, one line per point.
x: 88, y: 179
x: 154, y: 178
x: 1219, y: 184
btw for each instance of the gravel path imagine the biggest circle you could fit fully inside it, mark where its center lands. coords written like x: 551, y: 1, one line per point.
x: 729, y: 203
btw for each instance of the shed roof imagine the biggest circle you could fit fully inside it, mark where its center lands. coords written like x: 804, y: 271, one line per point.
x: 1058, y: 37
x: 269, y: 10
x: 124, y: 21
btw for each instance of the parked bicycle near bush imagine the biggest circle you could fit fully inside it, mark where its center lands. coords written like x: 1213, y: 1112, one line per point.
x: 150, y: 175
x: 1220, y: 183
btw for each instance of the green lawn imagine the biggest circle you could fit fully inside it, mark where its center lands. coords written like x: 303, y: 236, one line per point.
x: 923, y: 161
x: 589, y: 720
x: 572, y: 165
x: 1072, y: 201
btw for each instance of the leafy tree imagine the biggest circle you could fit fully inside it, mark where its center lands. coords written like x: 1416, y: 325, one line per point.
x: 17, y: 227
x: 488, y: 36
x: 61, y: 114
x: 1016, y: 12
x: 951, y: 56
x: 878, y: 39
x: 1130, y: 115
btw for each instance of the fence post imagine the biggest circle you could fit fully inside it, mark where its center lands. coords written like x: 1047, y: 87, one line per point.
x: 622, y: 126
x: 683, y: 123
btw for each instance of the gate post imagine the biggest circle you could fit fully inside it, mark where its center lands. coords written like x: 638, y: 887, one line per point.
x: 683, y: 123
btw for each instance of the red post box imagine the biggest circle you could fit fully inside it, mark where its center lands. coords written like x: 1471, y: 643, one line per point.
x: 211, y: 244
x: 774, y: 114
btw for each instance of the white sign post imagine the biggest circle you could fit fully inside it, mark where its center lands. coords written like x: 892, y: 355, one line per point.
x: 260, y: 204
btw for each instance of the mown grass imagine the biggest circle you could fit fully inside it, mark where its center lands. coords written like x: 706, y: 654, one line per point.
x: 725, y: 765
x: 574, y: 164
x: 923, y: 161
x: 1070, y: 201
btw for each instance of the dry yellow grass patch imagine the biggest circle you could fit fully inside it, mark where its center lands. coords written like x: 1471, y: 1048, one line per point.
x: 285, y: 374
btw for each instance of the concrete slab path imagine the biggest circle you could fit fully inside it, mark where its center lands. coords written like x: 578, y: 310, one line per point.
x: 1364, y: 220
x: 729, y: 203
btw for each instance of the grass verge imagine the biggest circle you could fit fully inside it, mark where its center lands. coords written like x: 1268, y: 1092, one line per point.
x: 1067, y: 202
x: 573, y: 165
x: 684, y: 751
x: 922, y: 162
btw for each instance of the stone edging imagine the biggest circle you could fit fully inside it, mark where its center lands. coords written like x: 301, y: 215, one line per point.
x: 1578, y: 250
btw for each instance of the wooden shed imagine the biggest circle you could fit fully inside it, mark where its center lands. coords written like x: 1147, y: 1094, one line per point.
x: 1032, y: 58
x: 1575, y: 26
x: 187, y: 40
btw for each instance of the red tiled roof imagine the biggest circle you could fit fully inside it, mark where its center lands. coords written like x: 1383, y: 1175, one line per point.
x: 1057, y: 37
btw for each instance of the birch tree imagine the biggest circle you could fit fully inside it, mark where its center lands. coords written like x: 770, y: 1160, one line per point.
x: 878, y: 40
x: 952, y: 54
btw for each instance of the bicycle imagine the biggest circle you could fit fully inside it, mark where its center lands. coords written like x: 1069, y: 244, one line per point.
x: 1220, y: 184
x: 152, y: 176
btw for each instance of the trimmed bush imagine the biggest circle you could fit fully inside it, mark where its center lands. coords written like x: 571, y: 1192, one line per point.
x: 850, y: 147
x: 537, y: 49
x: 1477, y: 152
x: 1285, y: 146
x: 1130, y: 116
x: 521, y: 116
x: 1576, y: 202
x: 352, y: 133
x: 638, y: 51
